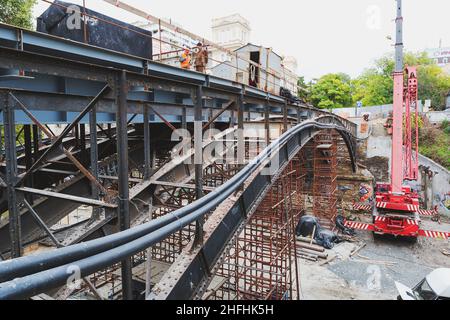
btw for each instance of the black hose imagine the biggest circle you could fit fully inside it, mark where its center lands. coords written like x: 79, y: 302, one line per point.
x: 25, y: 265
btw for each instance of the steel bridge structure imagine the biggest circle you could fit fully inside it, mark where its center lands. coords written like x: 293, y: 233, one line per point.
x: 160, y: 228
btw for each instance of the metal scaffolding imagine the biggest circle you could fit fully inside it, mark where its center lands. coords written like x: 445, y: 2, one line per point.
x: 325, y: 177
x: 262, y: 264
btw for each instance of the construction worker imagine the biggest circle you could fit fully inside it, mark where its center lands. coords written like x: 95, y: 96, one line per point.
x: 185, y: 59
x: 201, y: 58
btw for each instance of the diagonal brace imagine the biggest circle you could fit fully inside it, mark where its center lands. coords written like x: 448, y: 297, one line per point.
x: 42, y: 224
x: 68, y: 154
x: 214, y: 118
x: 171, y: 126
x: 57, y: 142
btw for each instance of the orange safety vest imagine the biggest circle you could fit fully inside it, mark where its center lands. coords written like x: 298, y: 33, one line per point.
x: 185, y: 60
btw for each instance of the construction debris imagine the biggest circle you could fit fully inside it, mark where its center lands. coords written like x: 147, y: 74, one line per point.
x: 358, y: 249
x: 368, y: 260
x: 307, y: 240
x: 311, y: 252
x: 310, y: 247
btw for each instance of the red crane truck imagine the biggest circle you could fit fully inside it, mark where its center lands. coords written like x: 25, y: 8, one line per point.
x: 396, y: 209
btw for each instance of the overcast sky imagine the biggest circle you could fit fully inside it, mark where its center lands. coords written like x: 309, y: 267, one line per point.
x: 324, y: 35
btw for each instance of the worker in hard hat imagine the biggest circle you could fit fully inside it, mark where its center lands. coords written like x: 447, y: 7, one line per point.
x: 185, y: 59
x: 201, y: 58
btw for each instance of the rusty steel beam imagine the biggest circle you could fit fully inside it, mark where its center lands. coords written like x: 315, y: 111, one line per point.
x: 42, y: 224
x: 66, y: 131
x: 124, y: 192
x: 68, y: 154
x: 15, y: 233
x: 167, y: 123
x: 56, y: 195
x: 214, y: 118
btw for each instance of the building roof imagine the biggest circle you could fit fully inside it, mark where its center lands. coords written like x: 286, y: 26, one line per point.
x: 251, y: 44
x: 234, y: 18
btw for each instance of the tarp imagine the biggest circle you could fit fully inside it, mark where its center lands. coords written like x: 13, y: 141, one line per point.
x: 102, y: 31
x: 323, y: 237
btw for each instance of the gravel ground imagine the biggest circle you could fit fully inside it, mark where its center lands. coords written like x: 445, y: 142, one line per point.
x: 371, y: 274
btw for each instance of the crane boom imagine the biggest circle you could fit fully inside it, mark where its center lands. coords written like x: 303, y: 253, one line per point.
x: 397, y: 136
x: 397, y: 205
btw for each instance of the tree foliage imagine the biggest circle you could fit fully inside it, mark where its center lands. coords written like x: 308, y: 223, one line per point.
x: 17, y: 12
x: 332, y: 91
x: 375, y: 86
x: 434, y: 142
x: 304, y: 89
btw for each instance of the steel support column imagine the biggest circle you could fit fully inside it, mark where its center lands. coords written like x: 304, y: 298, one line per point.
x: 285, y: 117
x: 28, y: 156
x: 198, y: 142
x: 35, y: 142
x: 184, y: 119
x: 124, y: 193
x: 83, y: 137
x: 147, y: 144
x: 94, y: 157
x: 11, y: 178
x: 267, y: 123
x: 1, y: 143
x: 240, y: 132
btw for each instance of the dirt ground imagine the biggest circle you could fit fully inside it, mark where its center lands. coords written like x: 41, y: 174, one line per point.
x: 371, y: 274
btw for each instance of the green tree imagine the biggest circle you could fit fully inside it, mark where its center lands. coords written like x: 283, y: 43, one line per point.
x: 375, y: 86
x: 434, y: 84
x: 303, y: 89
x: 332, y: 91
x: 17, y: 12
x: 372, y: 88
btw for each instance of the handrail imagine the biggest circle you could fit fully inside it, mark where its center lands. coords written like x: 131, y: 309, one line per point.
x: 162, y: 23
